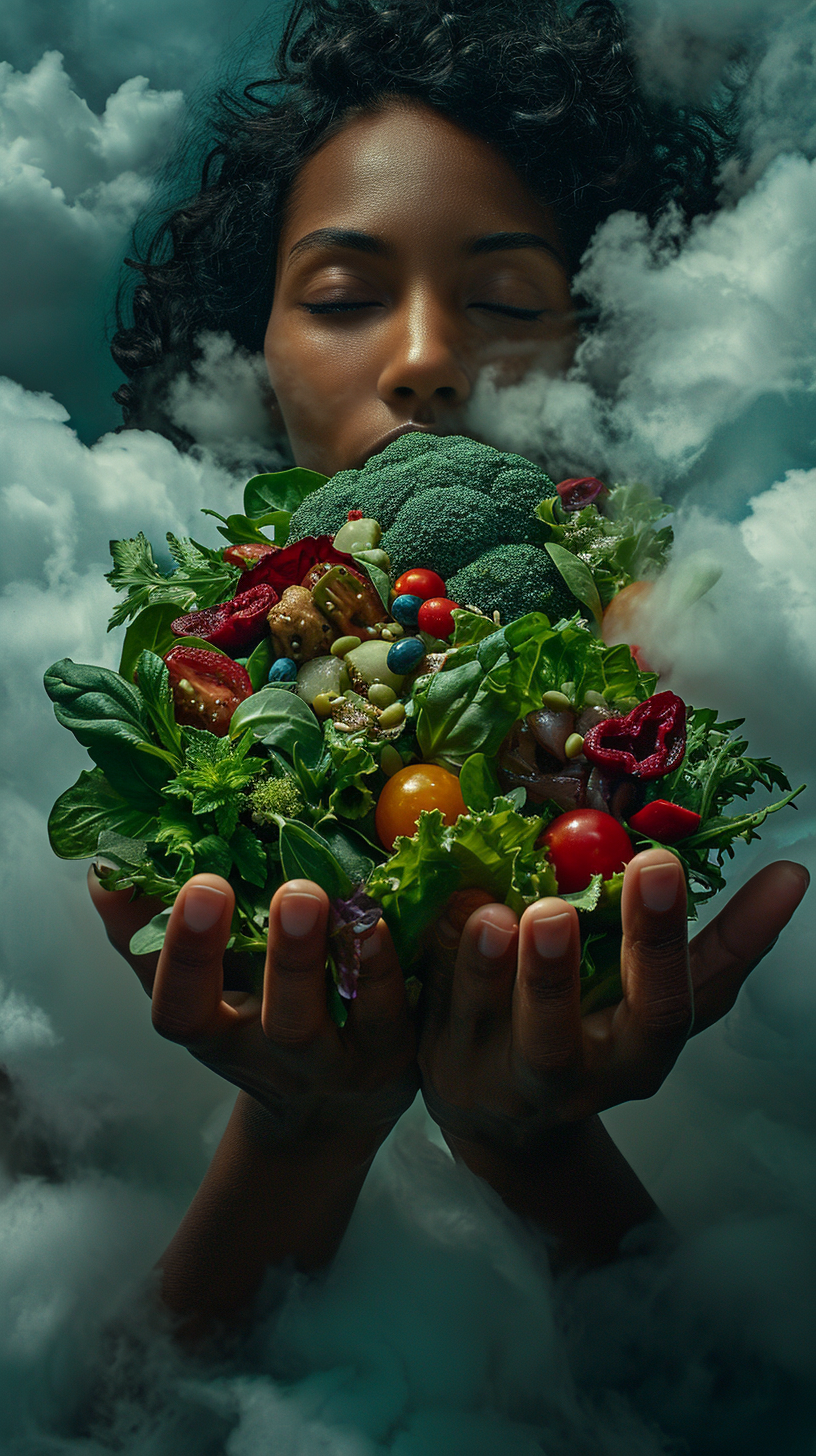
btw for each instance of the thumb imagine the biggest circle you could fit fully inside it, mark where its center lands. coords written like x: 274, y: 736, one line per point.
x: 123, y: 913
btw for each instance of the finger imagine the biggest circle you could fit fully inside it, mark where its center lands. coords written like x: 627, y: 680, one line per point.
x: 294, y: 999
x: 726, y: 951
x: 547, y: 998
x: 122, y: 914
x: 446, y: 934
x: 187, y: 1004
x: 378, y: 1015
x: 657, y: 1009
x: 484, y: 972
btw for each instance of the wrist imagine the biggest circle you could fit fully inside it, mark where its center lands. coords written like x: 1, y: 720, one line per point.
x: 310, y: 1136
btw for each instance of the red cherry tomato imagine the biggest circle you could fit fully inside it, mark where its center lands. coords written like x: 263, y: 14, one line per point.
x: 584, y: 843
x: 419, y: 582
x: 436, y: 617
x: 412, y: 789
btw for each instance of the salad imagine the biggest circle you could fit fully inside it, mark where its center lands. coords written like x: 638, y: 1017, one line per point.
x: 325, y: 703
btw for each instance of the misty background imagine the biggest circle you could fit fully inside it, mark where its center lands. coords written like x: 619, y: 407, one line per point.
x: 438, y: 1328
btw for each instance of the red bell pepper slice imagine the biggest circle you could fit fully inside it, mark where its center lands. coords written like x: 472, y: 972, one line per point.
x: 207, y: 688
x: 233, y: 626
x: 649, y: 742
x: 664, y: 821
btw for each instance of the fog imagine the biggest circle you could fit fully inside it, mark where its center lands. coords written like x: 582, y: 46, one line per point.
x: 439, y: 1328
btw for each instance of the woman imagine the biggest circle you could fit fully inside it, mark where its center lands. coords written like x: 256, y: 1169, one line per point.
x: 411, y: 213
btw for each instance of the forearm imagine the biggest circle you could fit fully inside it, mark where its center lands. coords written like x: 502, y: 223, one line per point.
x: 260, y: 1204
x: 575, y: 1185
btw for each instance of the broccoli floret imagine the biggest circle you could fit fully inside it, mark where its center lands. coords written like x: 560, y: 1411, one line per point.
x: 441, y: 502
x: 513, y: 580
x: 275, y: 796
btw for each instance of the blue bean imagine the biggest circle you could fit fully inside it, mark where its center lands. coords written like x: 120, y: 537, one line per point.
x: 283, y: 669
x: 405, y: 654
x: 405, y: 609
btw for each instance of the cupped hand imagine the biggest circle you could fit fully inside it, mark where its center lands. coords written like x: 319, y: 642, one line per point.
x: 506, y: 1056
x: 282, y: 1048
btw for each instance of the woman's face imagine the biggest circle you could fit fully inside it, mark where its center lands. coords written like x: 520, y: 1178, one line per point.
x: 412, y: 256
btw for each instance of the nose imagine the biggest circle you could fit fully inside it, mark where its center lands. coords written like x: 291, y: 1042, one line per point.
x: 423, y: 357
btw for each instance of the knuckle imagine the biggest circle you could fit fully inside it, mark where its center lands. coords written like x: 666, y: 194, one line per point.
x: 172, y: 1026
x: 556, y: 992
x: 658, y: 973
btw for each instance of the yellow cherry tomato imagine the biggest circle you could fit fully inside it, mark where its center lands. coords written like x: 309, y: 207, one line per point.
x: 412, y: 789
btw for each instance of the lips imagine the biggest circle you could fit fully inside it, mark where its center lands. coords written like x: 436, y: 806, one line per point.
x: 408, y: 428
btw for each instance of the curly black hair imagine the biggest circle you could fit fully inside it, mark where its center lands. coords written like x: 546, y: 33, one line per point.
x: 555, y: 89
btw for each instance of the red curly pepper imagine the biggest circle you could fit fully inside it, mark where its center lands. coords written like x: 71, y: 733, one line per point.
x: 649, y: 742
x: 233, y: 626
x: 664, y: 821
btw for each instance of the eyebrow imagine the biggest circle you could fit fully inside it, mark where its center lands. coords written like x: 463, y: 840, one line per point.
x: 360, y: 242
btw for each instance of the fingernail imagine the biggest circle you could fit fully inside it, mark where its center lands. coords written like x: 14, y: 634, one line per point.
x: 659, y: 884
x: 298, y: 914
x: 551, y: 935
x: 493, y: 940
x: 202, y: 906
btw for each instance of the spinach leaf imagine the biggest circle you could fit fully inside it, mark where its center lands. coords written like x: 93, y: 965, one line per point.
x: 280, y: 719
x: 479, y: 782
x: 90, y: 807
x: 108, y: 716
x: 245, y: 530
x: 151, y: 936
x: 282, y: 490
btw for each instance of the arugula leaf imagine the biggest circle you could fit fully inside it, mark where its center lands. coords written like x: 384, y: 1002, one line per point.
x: 282, y: 490
x: 90, y: 807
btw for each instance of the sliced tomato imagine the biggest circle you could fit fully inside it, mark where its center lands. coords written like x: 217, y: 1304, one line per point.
x: 207, y: 688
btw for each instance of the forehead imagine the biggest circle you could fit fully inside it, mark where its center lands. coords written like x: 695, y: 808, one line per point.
x: 406, y: 172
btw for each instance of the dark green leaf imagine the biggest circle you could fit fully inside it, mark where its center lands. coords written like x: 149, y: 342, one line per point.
x: 150, y: 632
x: 88, y: 808
x: 213, y: 856
x: 280, y: 719
x: 305, y: 855
x: 281, y: 491
x: 242, y: 530
x: 154, y: 686
x: 259, y: 662
x: 479, y: 782
x: 578, y: 577
x: 249, y: 855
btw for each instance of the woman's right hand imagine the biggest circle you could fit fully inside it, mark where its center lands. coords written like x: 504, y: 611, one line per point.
x: 312, y: 1078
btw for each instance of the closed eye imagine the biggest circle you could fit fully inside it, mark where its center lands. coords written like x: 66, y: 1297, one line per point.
x: 342, y: 306
x: 529, y: 315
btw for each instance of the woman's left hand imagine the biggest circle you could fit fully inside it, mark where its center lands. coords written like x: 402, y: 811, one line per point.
x: 505, y: 1055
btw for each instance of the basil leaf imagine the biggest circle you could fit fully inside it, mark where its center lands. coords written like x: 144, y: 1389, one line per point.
x: 259, y: 662
x: 280, y: 719
x: 281, y: 491
x: 151, y: 936
x: 249, y: 855
x: 577, y: 576
x: 149, y: 632
x: 306, y: 855
x: 88, y: 808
